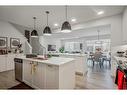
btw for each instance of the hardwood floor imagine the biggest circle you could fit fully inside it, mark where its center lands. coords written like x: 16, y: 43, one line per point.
x: 7, y: 80
x: 96, y: 78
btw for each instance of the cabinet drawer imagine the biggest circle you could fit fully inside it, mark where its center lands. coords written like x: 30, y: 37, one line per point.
x: 52, y: 67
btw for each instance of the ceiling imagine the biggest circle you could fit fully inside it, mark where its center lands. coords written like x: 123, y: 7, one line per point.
x: 82, y: 33
x: 23, y: 15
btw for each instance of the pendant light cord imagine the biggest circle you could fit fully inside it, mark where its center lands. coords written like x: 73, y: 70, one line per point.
x: 98, y: 35
x: 66, y: 12
x: 34, y: 21
x: 47, y: 19
x: 47, y: 12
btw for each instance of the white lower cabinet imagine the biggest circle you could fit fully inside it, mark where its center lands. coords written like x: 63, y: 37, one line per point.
x: 52, y: 77
x: 27, y: 73
x: 3, y: 59
x: 80, y: 63
x: 47, y: 76
x: 7, y: 62
x: 39, y: 76
x: 10, y: 62
x: 34, y: 74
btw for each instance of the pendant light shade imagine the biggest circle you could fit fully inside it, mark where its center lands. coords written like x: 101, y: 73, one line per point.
x: 47, y: 30
x: 34, y: 32
x: 66, y: 27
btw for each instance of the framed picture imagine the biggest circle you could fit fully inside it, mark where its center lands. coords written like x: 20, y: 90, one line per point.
x: 3, y: 42
x: 14, y: 42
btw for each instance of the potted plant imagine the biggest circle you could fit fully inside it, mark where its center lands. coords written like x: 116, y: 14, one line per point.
x: 61, y: 50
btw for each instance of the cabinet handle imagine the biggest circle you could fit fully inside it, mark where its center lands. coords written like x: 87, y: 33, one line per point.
x: 33, y: 67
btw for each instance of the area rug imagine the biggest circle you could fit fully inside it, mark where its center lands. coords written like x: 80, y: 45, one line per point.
x: 21, y: 86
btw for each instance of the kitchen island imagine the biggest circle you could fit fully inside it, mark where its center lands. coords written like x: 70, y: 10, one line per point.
x: 80, y: 61
x: 53, y: 73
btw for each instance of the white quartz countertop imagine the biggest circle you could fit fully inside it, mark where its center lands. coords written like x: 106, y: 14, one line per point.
x: 121, y: 61
x: 69, y: 54
x: 52, y: 61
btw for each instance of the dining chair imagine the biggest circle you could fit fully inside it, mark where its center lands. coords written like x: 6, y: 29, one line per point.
x: 98, y: 59
x: 90, y: 58
x: 107, y: 59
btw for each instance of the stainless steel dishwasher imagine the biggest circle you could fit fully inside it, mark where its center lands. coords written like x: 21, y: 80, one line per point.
x: 18, y: 69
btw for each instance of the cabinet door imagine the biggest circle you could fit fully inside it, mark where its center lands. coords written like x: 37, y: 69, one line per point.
x: 27, y: 72
x: 39, y: 75
x: 80, y: 64
x: 52, y: 77
x: 10, y: 61
x: 3, y: 63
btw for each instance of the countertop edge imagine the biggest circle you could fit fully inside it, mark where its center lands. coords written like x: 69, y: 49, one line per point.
x: 44, y: 61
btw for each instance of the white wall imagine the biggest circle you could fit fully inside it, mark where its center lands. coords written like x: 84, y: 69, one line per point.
x: 124, y: 24
x: 48, y: 41
x: 21, y: 28
x: 7, y: 30
x: 123, y: 45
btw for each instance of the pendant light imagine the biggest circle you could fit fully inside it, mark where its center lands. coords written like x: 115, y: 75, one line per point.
x: 47, y: 30
x: 66, y: 27
x: 98, y: 42
x: 34, y: 32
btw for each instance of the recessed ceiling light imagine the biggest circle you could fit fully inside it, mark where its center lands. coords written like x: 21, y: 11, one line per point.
x: 73, y: 19
x: 100, y: 12
x: 55, y: 24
